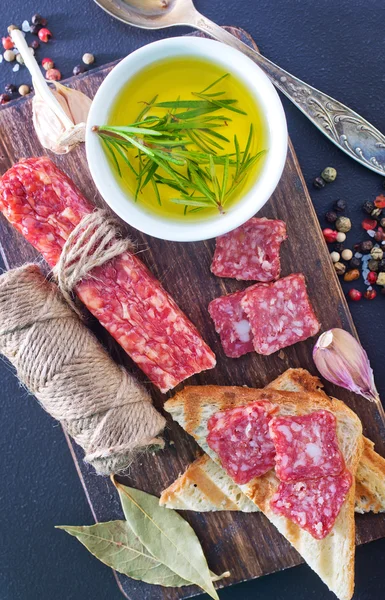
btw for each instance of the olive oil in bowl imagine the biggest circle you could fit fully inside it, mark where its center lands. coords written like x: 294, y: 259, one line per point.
x: 185, y: 139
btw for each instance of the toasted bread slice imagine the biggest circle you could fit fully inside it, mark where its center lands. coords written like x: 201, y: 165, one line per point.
x: 205, y: 487
x: 331, y: 558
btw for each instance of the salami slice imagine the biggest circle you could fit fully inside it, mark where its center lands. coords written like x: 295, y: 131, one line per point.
x: 306, y: 446
x: 45, y: 206
x: 280, y: 313
x: 232, y: 324
x: 250, y: 252
x: 314, y: 504
x: 240, y: 436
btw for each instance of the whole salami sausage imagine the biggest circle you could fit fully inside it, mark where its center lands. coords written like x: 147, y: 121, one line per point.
x: 45, y: 206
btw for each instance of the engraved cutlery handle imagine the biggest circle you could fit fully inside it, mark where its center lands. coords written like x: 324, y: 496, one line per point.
x: 344, y: 127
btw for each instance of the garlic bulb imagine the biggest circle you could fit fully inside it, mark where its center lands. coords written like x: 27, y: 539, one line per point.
x: 60, y: 115
x: 341, y: 359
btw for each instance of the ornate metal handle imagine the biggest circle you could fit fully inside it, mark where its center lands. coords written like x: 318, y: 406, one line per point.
x: 344, y: 127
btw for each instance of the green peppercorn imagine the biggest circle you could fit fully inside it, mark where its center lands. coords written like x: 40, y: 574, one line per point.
x: 329, y: 174
x: 368, y: 207
x: 381, y: 280
x: 331, y: 216
x: 366, y: 246
x: 340, y: 205
x: 319, y: 183
x: 376, y: 213
x: 343, y: 224
x: 373, y: 265
x: 377, y: 253
x: 340, y: 268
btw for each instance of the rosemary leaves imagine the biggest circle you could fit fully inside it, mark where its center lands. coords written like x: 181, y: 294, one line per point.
x: 183, y: 146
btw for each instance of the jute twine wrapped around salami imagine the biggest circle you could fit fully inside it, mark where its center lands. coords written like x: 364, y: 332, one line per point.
x: 61, y: 362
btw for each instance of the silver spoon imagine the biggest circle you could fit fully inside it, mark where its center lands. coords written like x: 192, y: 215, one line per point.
x: 344, y: 127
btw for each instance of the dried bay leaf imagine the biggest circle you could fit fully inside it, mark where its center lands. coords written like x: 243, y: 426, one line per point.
x: 115, y: 544
x: 167, y: 536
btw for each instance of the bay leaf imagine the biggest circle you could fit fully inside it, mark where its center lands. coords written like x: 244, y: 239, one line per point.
x: 167, y: 536
x: 115, y: 544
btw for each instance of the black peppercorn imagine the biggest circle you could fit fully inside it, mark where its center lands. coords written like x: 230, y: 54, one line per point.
x: 338, y: 247
x: 34, y: 29
x: 35, y: 44
x: 381, y: 265
x: 365, y: 247
x: 79, y: 69
x: 368, y: 206
x: 10, y: 88
x: 354, y: 263
x: 319, y: 183
x: 340, y: 205
x: 38, y: 20
x: 376, y: 213
x: 331, y: 216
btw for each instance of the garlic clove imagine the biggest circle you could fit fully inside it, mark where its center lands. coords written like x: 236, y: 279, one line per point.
x: 78, y: 104
x: 341, y: 359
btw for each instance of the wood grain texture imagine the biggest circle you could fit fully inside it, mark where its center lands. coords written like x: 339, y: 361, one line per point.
x: 245, y: 544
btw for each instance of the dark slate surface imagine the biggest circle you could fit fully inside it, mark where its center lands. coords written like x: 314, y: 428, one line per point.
x: 336, y: 46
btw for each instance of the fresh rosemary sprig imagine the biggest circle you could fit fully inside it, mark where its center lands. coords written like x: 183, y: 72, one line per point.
x: 180, y: 149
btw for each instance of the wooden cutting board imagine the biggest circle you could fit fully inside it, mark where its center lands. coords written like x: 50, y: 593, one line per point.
x: 245, y: 544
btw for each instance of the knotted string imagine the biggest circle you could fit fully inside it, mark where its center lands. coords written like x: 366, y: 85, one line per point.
x: 61, y: 362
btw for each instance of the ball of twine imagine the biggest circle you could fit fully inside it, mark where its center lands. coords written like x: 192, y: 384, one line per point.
x: 61, y: 362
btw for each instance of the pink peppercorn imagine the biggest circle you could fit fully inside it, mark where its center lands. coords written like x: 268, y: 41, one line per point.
x: 372, y: 277
x: 7, y: 43
x: 369, y: 224
x: 53, y: 75
x: 47, y: 63
x: 330, y: 235
x: 44, y: 35
x: 354, y: 295
x: 370, y: 294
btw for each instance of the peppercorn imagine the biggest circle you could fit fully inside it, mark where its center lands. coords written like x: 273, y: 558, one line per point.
x: 329, y: 174
x: 377, y: 253
x: 53, y: 75
x: 368, y: 224
x: 347, y: 254
x: 331, y: 216
x: 351, y: 275
x: 343, y: 224
x: 38, y: 20
x: 338, y: 247
x: 368, y: 206
x: 9, y: 56
x: 341, y: 236
x: 24, y: 90
x: 319, y: 183
x: 381, y: 279
x: 7, y: 43
x: 354, y: 263
x: 330, y: 235
x: 340, y: 268
x: 381, y: 265
x: 11, y: 28
x: 35, y: 29
x: 335, y: 256
x: 4, y: 98
x: 79, y: 69
x: 340, y: 205
x: 47, y: 63
x: 44, y: 35
x: 19, y: 59
x: 382, y: 222
x: 380, y: 201
x: 370, y: 294
x: 88, y: 58
x: 376, y: 213
x: 10, y: 88
x: 366, y: 246
x: 372, y: 277
x: 373, y: 265
x: 379, y: 235
x: 354, y: 295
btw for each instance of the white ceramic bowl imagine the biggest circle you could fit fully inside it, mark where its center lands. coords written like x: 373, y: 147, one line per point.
x: 259, y: 85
